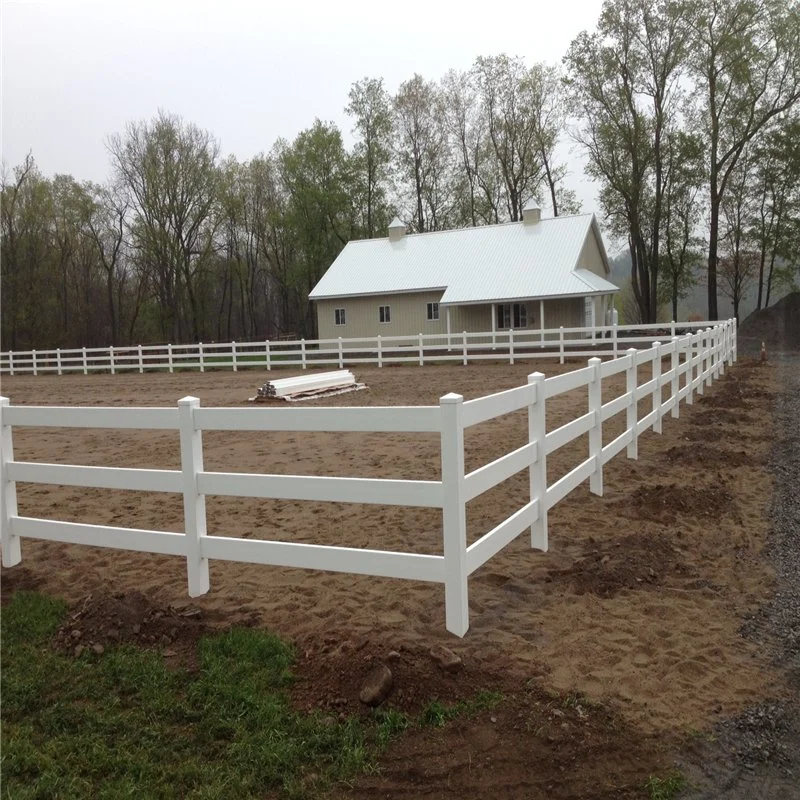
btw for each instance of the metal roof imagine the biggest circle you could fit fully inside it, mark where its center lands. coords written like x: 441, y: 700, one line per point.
x: 484, y: 264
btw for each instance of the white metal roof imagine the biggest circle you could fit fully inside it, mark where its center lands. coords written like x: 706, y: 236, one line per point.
x: 472, y: 265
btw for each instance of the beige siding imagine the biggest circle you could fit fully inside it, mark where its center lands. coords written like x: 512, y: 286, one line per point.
x: 590, y: 257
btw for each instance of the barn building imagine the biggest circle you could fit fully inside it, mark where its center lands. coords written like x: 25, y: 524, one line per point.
x: 528, y: 275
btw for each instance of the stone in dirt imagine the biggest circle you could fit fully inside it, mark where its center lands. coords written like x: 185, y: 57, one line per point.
x: 446, y: 658
x: 377, y: 686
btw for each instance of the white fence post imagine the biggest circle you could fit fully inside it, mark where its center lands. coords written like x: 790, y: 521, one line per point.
x: 614, y: 333
x: 141, y: 362
x: 380, y: 352
x: 632, y: 412
x: 596, y: 431
x: 233, y: 356
x: 735, y: 336
x: 464, y: 347
x: 11, y: 362
x: 58, y: 359
x: 454, y: 516
x: 674, y: 365
x: 111, y: 359
x: 35, y: 372
x: 341, y: 356
x: 537, y: 472
x: 85, y: 364
x: 657, y: 388
x: 266, y: 350
x: 169, y: 357
x: 672, y: 329
x: 701, y: 362
x: 688, y: 353
x: 194, y: 503
x: 719, y: 335
x: 201, y: 354
x: 11, y: 551
x: 421, y: 351
x: 303, y: 352
x: 561, y: 345
x: 510, y: 345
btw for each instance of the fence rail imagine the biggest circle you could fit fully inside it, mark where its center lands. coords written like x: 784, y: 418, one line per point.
x: 561, y: 343
x: 695, y: 360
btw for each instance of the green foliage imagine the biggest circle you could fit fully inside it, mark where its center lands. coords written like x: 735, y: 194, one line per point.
x: 665, y: 788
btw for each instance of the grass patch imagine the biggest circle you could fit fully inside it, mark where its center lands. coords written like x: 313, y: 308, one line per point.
x: 124, y: 725
x: 665, y: 788
x: 438, y: 714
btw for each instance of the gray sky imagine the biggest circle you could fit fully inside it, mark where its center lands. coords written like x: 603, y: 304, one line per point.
x: 249, y: 72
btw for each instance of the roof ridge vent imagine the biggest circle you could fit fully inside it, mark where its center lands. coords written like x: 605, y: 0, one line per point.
x: 532, y: 213
x: 397, y: 229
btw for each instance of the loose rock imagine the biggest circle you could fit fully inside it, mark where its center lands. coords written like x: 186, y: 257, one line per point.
x: 446, y: 658
x: 377, y: 686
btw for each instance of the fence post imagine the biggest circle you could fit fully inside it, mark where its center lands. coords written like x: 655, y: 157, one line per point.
x: 688, y: 355
x: 701, y: 362
x: 111, y: 359
x: 657, y: 388
x: 596, y: 431
x: 632, y: 412
x: 719, y: 335
x: 735, y: 337
x: 341, y: 357
x: 202, y: 361
x: 233, y: 356
x: 266, y: 350
x: 674, y: 365
x: 454, y: 516
x: 141, y: 362
x: 11, y: 362
x: 35, y: 368
x: 537, y: 472
x: 11, y: 551
x: 614, y: 338
x: 169, y: 357
x: 85, y: 365
x: 194, y: 503
x: 464, y: 347
x: 58, y: 359
x: 510, y: 345
x: 303, y: 352
x: 421, y: 351
x: 380, y: 352
x: 561, y: 345
x: 710, y: 355
x: 672, y: 329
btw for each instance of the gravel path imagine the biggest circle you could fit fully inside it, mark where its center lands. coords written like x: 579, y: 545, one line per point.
x: 756, y: 756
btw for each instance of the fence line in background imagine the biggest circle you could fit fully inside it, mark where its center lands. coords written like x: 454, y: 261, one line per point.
x: 695, y: 361
x: 561, y: 343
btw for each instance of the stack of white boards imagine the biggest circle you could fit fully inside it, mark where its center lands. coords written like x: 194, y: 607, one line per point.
x: 319, y: 384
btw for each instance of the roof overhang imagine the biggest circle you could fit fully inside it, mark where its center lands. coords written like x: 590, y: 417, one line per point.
x: 573, y: 295
x: 377, y: 294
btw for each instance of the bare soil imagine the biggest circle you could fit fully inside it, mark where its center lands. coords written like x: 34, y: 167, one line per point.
x: 636, y: 608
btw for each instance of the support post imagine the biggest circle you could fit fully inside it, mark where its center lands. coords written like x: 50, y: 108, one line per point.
x: 614, y: 334
x: 541, y: 323
x: 674, y: 365
x: 688, y: 356
x: 657, y: 388
x: 233, y: 356
x: 202, y: 361
x: 701, y: 362
x: 454, y: 517
x: 11, y: 362
x: 537, y: 472
x: 303, y: 352
x: 85, y: 364
x: 421, y: 350
x: 672, y: 329
x: 494, y: 326
x: 58, y: 360
x: 35, y: 367
x: 194, y: 503
x: 510, y: 345
x: 141, y: 360
x: 9, y: 543
x: 341, y: 355
x: 447, y: 315
x: 594, y: 325
x: 632, y: 412
x: 596, y: 431
x: 380, y: 351
x: 111, y: 359
x: 266, y: 351
x: 464, y: 347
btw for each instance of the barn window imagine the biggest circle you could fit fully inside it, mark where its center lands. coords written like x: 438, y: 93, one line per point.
x: 384, y: 313
x: 508, y: 313
x: 433, y: 311
x: 338, y: 315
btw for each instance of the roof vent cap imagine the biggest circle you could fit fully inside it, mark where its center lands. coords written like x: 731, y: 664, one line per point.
x: 531, y: 214
x: 397, y: 229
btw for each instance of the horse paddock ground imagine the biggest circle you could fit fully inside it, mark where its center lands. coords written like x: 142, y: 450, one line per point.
x: 636, y: 607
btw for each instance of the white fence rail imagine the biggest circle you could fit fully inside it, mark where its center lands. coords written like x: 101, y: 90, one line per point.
x: 695, y: 361
x: 561, y: 343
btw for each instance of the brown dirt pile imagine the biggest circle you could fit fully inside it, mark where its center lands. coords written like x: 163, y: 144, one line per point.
x: 778, y: 326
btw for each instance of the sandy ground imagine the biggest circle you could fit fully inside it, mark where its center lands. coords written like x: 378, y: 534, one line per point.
x: 637, y: 605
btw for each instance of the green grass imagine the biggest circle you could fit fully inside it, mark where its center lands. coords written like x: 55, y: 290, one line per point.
x: 665, y: 788
x: 124, y: 725
x: 438, y: 714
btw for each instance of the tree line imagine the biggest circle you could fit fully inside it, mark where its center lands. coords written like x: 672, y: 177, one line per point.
x: 687, y: 111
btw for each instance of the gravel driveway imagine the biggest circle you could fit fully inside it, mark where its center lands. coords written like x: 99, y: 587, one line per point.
x: 756, y: 756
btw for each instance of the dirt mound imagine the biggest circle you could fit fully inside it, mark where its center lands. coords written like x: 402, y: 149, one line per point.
x: 633, y: 562
x: 778, y: 326
x: 717, y: 418
x: 701, y: 454
x: 104, y: 620
x: 662, y: 503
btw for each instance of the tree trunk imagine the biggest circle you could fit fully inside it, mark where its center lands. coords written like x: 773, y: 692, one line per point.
x: 712, y: 252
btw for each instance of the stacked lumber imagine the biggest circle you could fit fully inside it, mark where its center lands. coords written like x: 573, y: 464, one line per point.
x: 307, y: 386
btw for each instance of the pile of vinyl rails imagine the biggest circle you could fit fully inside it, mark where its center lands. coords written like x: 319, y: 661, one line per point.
x: 307, y: 386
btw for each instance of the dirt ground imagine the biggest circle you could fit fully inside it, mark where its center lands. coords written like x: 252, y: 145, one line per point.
x: 635, y: 611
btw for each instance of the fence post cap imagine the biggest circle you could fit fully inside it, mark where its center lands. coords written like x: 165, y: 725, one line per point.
x: 451, y: 397
x: 189, y: 401
x: 536, y: 377
x: 3, y: 401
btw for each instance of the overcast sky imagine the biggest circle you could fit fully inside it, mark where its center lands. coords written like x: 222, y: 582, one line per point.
x: 249, y: 72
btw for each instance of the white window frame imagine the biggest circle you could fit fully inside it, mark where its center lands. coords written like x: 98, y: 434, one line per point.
x: 384, y: 315
x: 516, y: 313
x: 432, y: 312
x: 339, y: 317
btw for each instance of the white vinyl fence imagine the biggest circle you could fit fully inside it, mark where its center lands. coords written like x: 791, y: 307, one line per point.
x: 695, y: 360
x: 604, y: 340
